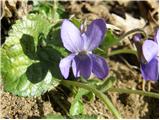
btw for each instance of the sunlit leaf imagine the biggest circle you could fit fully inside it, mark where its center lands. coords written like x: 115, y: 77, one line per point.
x: 77, y: 107
x: 29, y: 62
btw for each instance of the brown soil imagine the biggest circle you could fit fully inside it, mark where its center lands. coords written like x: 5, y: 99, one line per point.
x: 19, y: 107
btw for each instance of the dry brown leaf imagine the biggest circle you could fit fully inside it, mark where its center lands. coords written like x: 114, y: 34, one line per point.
x: 127, y: 24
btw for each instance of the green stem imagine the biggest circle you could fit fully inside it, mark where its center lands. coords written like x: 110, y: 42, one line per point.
x: 55, y: 5
x: 134, y: 31
x: 139, y: 92
x: 99, y: 94
x: 122, y: 51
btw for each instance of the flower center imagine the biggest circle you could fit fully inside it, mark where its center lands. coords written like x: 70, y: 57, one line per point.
x: 83, y: 52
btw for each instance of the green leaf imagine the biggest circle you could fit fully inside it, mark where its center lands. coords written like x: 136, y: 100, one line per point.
x: 28, y: 45
x: 90, y: 96
x: 30, y: 63
x: 83, y: 117
x: 77, y: 104
x: 62, y: 11
x: 109, y: 40
x: 76, y: 22
x: 76, y: 107
x: 44, y: 8
x: 51, y: 9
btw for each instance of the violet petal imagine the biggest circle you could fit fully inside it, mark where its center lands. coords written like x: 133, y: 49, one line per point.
x: 150, y: 70
x: 150, y: 50
x: 95, y: 33
x: 65, y: 64
x: 100, y: 67
x: 83, y: 66
x: 71, y: 36
x: 76, y: 67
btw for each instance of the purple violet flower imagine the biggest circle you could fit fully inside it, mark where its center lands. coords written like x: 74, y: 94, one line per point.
x: 81, y: 44
x: 148, y: 55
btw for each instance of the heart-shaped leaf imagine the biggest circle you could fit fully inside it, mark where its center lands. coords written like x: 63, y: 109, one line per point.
x: 30, y: 68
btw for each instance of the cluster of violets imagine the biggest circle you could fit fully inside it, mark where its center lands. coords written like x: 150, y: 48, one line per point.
x: 82, y: 42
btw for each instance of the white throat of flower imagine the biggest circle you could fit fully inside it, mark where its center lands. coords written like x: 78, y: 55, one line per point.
x: 84, y: 52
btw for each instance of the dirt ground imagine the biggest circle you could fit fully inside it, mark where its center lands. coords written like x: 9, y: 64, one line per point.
x: 129, y: 105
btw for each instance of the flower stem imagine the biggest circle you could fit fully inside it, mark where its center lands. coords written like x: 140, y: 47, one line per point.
x: 130, y: 91
x: 98, y: 93
x: 55, y: 6
x: 120, y: 51
x: 134, y: 31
